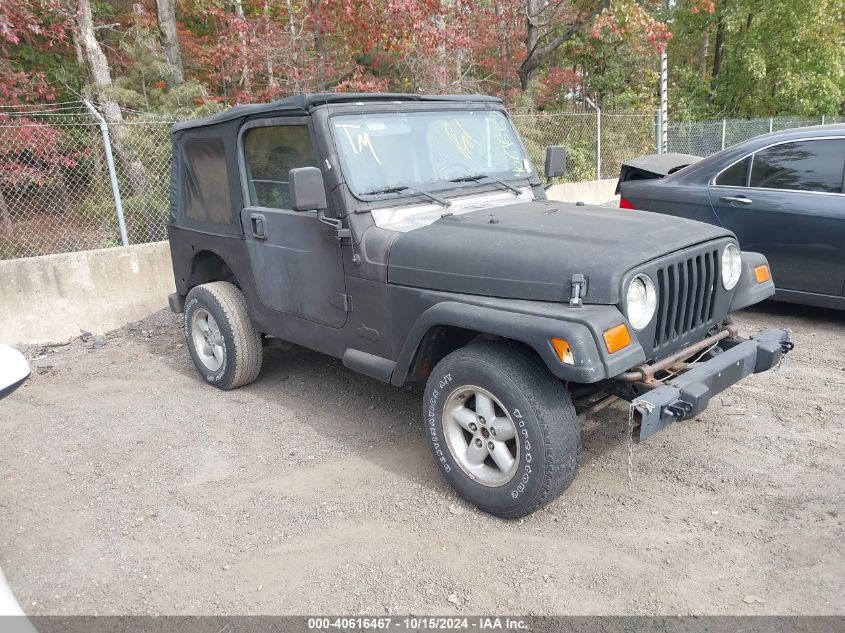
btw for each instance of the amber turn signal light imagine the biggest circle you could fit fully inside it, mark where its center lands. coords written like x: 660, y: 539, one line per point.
x: 563, y: 351
x: 617, y: 338
x: 762, y: 274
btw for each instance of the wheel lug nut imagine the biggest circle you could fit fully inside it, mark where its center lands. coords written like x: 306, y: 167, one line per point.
x: 490, y: 445
x: 481, y: 419
x: 473, y: 427
x: 478, y: 442
x: 493, y: 431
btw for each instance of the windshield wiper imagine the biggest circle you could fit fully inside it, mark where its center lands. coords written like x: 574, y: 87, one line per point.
x: 398, y: 188
x: 478, y: 177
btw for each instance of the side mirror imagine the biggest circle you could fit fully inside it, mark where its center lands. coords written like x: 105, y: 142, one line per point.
x: 306, y: 189
x: 14, y: 370
x: 555, y: 161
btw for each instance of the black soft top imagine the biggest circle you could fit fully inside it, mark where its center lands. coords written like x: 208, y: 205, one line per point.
x: 302, y: 103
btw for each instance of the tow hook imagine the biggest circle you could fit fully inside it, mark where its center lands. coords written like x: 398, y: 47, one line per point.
x: 679, y: 410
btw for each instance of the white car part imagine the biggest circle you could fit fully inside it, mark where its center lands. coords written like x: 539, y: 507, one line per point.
x: 14, y: 370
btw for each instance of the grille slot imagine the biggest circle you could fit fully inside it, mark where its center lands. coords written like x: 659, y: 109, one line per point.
x: 686, y: 296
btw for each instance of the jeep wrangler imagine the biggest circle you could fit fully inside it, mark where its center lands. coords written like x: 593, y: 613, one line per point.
x: 411, y: 237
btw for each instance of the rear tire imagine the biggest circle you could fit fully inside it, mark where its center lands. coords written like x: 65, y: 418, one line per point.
x: 223, y: 343
x: 527, y: 455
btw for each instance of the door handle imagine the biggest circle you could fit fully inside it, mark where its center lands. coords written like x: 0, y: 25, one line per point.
x: 737, y: 199
x: 258, y: 224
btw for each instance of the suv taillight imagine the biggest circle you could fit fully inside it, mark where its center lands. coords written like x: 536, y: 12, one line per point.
x: 624, y: 203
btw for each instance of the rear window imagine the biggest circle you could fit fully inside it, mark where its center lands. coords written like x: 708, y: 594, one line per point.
x: 802, y: 166
x: 206, y: 185
x: 735, y: 175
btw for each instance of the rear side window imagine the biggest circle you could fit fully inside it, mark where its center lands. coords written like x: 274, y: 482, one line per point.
x: 206, y: 184
x: 270, y: 152
x: 735, y: 175
x: 801, y: 166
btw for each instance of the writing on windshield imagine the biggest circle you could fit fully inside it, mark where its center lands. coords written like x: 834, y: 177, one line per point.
x: 358, y: 141
x: 426, y: 150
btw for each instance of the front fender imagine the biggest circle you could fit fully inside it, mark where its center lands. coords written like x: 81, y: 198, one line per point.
x: 581, y: 327
x: 748, y: 291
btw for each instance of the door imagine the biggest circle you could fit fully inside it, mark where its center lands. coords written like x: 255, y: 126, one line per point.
x: 296, y: 260
x: 786, y: 201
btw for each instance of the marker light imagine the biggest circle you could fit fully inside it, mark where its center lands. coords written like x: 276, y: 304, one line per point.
x: 762, y: 274
x: 563, y: 351
x: 617, y: 338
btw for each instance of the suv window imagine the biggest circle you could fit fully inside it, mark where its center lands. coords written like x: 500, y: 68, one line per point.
x: 207, y: 181
x: 270, y: 152
x: 802, y: 166
x: 735, y: 175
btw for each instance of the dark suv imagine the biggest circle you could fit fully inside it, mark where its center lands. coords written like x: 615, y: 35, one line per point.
x: 411, y: 237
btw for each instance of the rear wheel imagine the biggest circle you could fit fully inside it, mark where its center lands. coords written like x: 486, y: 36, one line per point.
x: 503, y: 429
x: 223, y: 343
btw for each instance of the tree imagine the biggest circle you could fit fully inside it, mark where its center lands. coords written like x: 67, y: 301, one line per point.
x: 166, y: 12
x: 24, y: 26
x: 765, y: 58
x: 100, y: 73
x: 548, y: 26
x: 29, y: 150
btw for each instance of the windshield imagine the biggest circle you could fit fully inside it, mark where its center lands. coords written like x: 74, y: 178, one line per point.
x: 400, y: 151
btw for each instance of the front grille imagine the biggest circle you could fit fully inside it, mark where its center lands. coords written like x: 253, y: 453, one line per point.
x: 686, y: 296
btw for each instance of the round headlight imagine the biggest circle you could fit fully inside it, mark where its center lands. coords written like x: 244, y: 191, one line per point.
x: 731, y: 266
x: 641, y: 301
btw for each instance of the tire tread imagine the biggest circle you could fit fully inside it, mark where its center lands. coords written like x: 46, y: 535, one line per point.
x: 552, y: 406
x: 247, y: 354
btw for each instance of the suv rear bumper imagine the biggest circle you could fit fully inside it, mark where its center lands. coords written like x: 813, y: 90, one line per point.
x: 688, y: 394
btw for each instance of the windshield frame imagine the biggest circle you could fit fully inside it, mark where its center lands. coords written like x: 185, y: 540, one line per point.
x: 438, y: 186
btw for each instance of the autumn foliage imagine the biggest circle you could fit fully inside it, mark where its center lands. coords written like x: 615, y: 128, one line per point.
x: 535, y: 53
x: 250, y: 50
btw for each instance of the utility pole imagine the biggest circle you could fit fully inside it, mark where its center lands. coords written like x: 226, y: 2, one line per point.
x: 592, y: 104
x: 664, y: 103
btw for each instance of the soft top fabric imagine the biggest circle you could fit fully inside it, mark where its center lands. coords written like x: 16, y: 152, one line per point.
x: 302, y: 103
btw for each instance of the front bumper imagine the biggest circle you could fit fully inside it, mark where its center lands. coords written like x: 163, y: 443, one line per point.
x: 688, y: 394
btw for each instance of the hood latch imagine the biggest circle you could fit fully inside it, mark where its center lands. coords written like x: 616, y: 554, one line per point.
x: 579, y: 290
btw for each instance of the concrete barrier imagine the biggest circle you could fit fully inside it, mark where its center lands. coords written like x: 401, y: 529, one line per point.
x: 587, y: 191
x: 50, y: 299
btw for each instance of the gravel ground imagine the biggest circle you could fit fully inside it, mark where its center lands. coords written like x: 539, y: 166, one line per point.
x: 127, y: 486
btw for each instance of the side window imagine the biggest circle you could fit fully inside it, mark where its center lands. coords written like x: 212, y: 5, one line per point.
x: 801, y: 166
x: 206, y: 185
x: 269, y: 154
x: 735, y: 175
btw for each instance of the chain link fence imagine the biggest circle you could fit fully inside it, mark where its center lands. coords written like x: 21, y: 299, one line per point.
x: 596, y: 145
x: 703, y: 138
x: 56, y: 193
x: 55, y: 189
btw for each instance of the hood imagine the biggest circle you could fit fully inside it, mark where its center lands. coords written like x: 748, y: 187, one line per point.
x: 530, y: 250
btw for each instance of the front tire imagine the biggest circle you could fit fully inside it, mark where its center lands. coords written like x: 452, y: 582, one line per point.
x: 503, y: 430
x: 223, y: 343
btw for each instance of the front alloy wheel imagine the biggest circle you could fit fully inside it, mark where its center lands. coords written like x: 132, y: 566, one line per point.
x: 481, y: 436
x: 502, y: 428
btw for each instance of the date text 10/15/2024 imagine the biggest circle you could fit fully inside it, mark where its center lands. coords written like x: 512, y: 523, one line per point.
x: 421, y: 623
